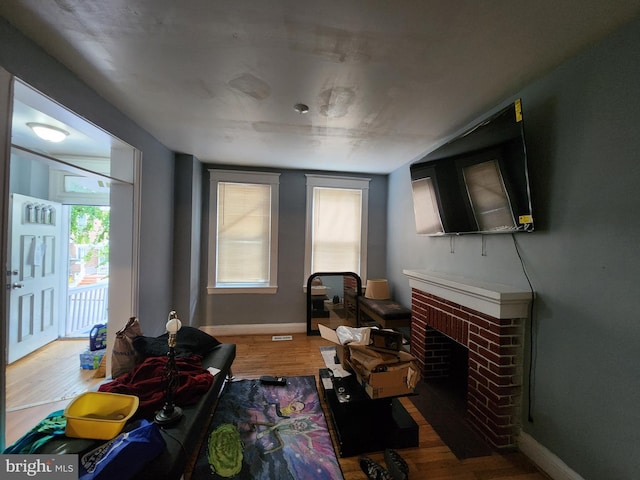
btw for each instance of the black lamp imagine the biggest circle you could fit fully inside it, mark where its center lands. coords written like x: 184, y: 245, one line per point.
x: 170, y: 412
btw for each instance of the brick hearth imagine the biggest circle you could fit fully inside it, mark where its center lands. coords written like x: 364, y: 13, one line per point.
x: 488, y: 320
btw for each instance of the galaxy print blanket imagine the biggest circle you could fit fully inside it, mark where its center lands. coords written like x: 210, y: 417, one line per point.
x: 268, y: 432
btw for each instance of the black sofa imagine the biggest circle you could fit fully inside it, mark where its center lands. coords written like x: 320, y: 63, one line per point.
x: 183, y: 438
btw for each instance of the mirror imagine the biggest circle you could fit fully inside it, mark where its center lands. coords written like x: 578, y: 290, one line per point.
x: 332, y: 300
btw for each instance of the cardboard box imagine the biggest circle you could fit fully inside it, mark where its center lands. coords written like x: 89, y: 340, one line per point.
x: 380, y: 373
x: 386, y: 339
x: 342, y: 351
x: 334, y: 336
x: 90, y: 360
x: 384, y: 374
x: 392, y: 383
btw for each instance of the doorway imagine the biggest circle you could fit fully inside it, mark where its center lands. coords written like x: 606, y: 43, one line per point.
x: 87, y: 268
x: 88, y: 167
x: 48, y: 241
x: 35, y: 266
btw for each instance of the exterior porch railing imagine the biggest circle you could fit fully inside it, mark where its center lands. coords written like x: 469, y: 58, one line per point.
x: 86, y: 307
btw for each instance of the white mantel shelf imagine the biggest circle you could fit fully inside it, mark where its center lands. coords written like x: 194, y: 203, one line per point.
x: 494, y: 299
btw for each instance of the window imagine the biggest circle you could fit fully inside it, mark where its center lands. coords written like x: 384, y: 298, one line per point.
x: 425, y: 207
x: 74, y: 189
x: 243, y: 232
x: 488, y: 196
x: 336, y: 234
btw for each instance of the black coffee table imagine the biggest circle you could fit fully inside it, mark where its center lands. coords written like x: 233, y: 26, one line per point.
x: 364, y: 425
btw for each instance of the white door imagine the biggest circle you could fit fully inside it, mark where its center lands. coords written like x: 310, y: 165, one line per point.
x: 35, y: 271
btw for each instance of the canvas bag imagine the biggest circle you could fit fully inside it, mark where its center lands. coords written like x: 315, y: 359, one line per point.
x: 124, y: 456
x: 124, y: 357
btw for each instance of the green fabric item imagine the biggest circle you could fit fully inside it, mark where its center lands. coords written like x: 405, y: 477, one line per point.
x: 225, y: 451
x: 50, y: 427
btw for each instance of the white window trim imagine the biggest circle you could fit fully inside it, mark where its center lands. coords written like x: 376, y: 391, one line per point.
x: 334, y: 181
x: 265, y: 178
x: 56, y: 187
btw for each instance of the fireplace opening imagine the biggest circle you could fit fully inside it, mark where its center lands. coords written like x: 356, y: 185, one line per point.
x: 442, y: 396
x: 451, y: 384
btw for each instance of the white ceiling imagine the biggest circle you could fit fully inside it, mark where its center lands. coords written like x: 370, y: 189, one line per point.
x: 386, y: 81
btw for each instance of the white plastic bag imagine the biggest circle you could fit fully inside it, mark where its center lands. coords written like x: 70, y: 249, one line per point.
x: 353, y: 336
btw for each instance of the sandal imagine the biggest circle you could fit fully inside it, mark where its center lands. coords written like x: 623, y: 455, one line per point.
x: 396, y: 465
x: 373, y: 470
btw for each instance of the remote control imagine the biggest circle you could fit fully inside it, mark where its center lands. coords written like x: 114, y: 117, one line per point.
x: 269, y: 380
x: 341, y: 390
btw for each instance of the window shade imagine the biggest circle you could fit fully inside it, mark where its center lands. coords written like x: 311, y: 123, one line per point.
x: 243, y: 236
x: 425, y: 205
x: 488, y: 196
x: 336, y: 230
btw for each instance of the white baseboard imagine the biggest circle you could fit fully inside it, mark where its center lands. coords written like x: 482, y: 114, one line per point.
x: 546, y: 460
x: 255, y: 329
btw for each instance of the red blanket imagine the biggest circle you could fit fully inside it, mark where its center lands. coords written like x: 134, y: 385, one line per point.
x: 147, y: 382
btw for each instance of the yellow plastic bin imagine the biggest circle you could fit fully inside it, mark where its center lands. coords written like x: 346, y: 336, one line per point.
x: 99, y: 415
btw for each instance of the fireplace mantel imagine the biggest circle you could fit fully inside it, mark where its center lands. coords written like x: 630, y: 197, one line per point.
x: 494, y: 299
x: 488, y: 320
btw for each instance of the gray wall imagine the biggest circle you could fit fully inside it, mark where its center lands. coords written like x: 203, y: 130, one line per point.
x: 582, y: 125
x: 30, y: 63
x: 28, y: 177
x: 288, y: 305
x: 187, y: 237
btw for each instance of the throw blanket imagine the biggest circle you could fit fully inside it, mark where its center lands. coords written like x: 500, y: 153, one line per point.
x: 147, y: 382
x: 51, y: 427
x: 264, y: 432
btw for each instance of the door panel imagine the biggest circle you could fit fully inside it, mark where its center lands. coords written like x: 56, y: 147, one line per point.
x: 26, y: 318
x: 35, y: 274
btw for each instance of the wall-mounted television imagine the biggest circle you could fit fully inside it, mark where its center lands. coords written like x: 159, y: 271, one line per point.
x: 477, y: 182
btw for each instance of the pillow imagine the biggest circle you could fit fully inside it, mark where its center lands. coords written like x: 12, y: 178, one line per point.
x: 189, y: 341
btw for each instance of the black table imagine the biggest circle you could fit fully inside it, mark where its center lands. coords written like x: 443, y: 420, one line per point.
x: 364, y: 425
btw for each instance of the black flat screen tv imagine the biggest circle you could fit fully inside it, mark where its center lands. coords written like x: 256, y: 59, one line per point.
x: 477, y: 182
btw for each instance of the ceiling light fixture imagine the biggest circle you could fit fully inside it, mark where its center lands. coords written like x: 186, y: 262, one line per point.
x: 301, y: 108
x: 48, y: 132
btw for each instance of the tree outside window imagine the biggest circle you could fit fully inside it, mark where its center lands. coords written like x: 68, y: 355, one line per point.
x: 88, y: 244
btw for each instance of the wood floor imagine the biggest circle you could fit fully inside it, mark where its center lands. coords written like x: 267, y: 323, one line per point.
x: 258, y: 355
x: 44, y: 382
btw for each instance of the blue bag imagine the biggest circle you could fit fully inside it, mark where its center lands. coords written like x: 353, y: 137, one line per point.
x: 123, y: 456
x: 98, y: 337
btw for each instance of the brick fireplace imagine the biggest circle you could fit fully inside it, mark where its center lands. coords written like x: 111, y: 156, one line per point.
x: 487, y: 319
